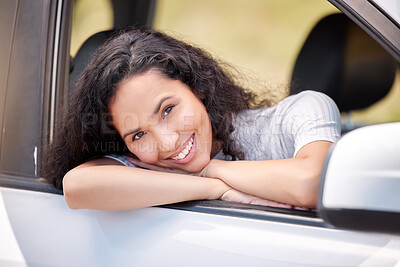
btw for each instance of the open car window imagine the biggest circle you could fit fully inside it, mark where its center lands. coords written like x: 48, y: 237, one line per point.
x: 263, y: 39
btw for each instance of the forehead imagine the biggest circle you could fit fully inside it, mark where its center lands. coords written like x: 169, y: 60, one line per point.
x: 138, y: 96
x: 143, y: 86
x: 142, y: 90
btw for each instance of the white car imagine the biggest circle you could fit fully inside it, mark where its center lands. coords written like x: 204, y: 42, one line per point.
x: 358, y: 217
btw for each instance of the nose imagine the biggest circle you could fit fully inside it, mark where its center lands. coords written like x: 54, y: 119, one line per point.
x: 167, y: 140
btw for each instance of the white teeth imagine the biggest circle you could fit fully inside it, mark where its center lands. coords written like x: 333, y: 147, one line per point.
x: 185, y: 151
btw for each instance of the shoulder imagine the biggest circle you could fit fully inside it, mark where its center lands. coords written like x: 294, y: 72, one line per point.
x: 312, y: 116
x: 304, y: 105
x: 309, y: 103
x: 308, y: 98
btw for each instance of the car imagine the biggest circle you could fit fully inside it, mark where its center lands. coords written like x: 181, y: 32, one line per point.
x: 352, y: 55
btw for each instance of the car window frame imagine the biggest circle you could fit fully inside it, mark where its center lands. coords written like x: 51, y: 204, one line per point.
x: 57, y: 92
x: 23, y: 110
x: 53, y: 75
x: 374, y: 22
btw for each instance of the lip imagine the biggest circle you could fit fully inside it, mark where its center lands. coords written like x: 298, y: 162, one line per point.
x: 189, y: 156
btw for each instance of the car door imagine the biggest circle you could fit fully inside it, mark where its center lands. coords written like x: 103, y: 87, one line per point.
x: 38, y: 229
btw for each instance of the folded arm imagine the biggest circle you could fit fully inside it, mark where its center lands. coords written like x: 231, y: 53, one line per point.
x: 105, y: 184
x: 294, y: 181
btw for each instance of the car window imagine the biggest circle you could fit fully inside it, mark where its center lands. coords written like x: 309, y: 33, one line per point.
x: 89, y: 17
x: 263, y: 39
x: 7, y: 19
x: 386, y: 110
x: 260, y: 38
x: 24, y: 28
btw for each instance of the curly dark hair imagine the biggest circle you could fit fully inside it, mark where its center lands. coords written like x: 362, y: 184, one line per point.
x: 85, y: 131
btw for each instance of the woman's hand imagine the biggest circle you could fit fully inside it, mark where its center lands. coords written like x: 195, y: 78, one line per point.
x: 234, y: 195
x: 231, y: 194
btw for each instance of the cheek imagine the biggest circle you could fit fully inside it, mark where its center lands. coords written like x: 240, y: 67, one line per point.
x: 145, y: 151
x: 190, y: 119
x: 187, y: 120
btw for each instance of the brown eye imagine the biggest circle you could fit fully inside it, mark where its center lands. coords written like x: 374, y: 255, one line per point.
x: 138, y: 136
x: 167, y: 110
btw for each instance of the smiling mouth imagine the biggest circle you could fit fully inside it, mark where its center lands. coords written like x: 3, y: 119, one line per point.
x: 186, y: 150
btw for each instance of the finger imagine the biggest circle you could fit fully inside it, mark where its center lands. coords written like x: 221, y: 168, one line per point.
x: 270, y: 203
x: 276, y: 204
x: 301, y: 208
x: 285, y: 206
x: 282, y: 205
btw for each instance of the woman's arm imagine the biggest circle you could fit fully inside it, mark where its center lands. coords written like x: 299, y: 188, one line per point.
x: 108, y: 185
x: 294, y: 181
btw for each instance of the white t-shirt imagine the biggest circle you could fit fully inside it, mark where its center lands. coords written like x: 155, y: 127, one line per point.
x: 279, y: 132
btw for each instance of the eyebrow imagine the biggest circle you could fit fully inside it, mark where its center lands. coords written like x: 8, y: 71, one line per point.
x: 130, y: 132
x: 156, y: 110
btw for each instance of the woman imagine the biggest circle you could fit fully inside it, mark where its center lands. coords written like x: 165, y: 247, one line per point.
x: 153, y: 120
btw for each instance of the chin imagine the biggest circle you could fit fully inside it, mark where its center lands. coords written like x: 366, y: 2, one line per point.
x: 199, y: 165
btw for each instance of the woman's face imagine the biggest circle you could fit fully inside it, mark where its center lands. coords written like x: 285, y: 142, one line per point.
x: 162, y: 122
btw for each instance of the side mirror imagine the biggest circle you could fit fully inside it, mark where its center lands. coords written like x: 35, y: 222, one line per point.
x: 360, y: 183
